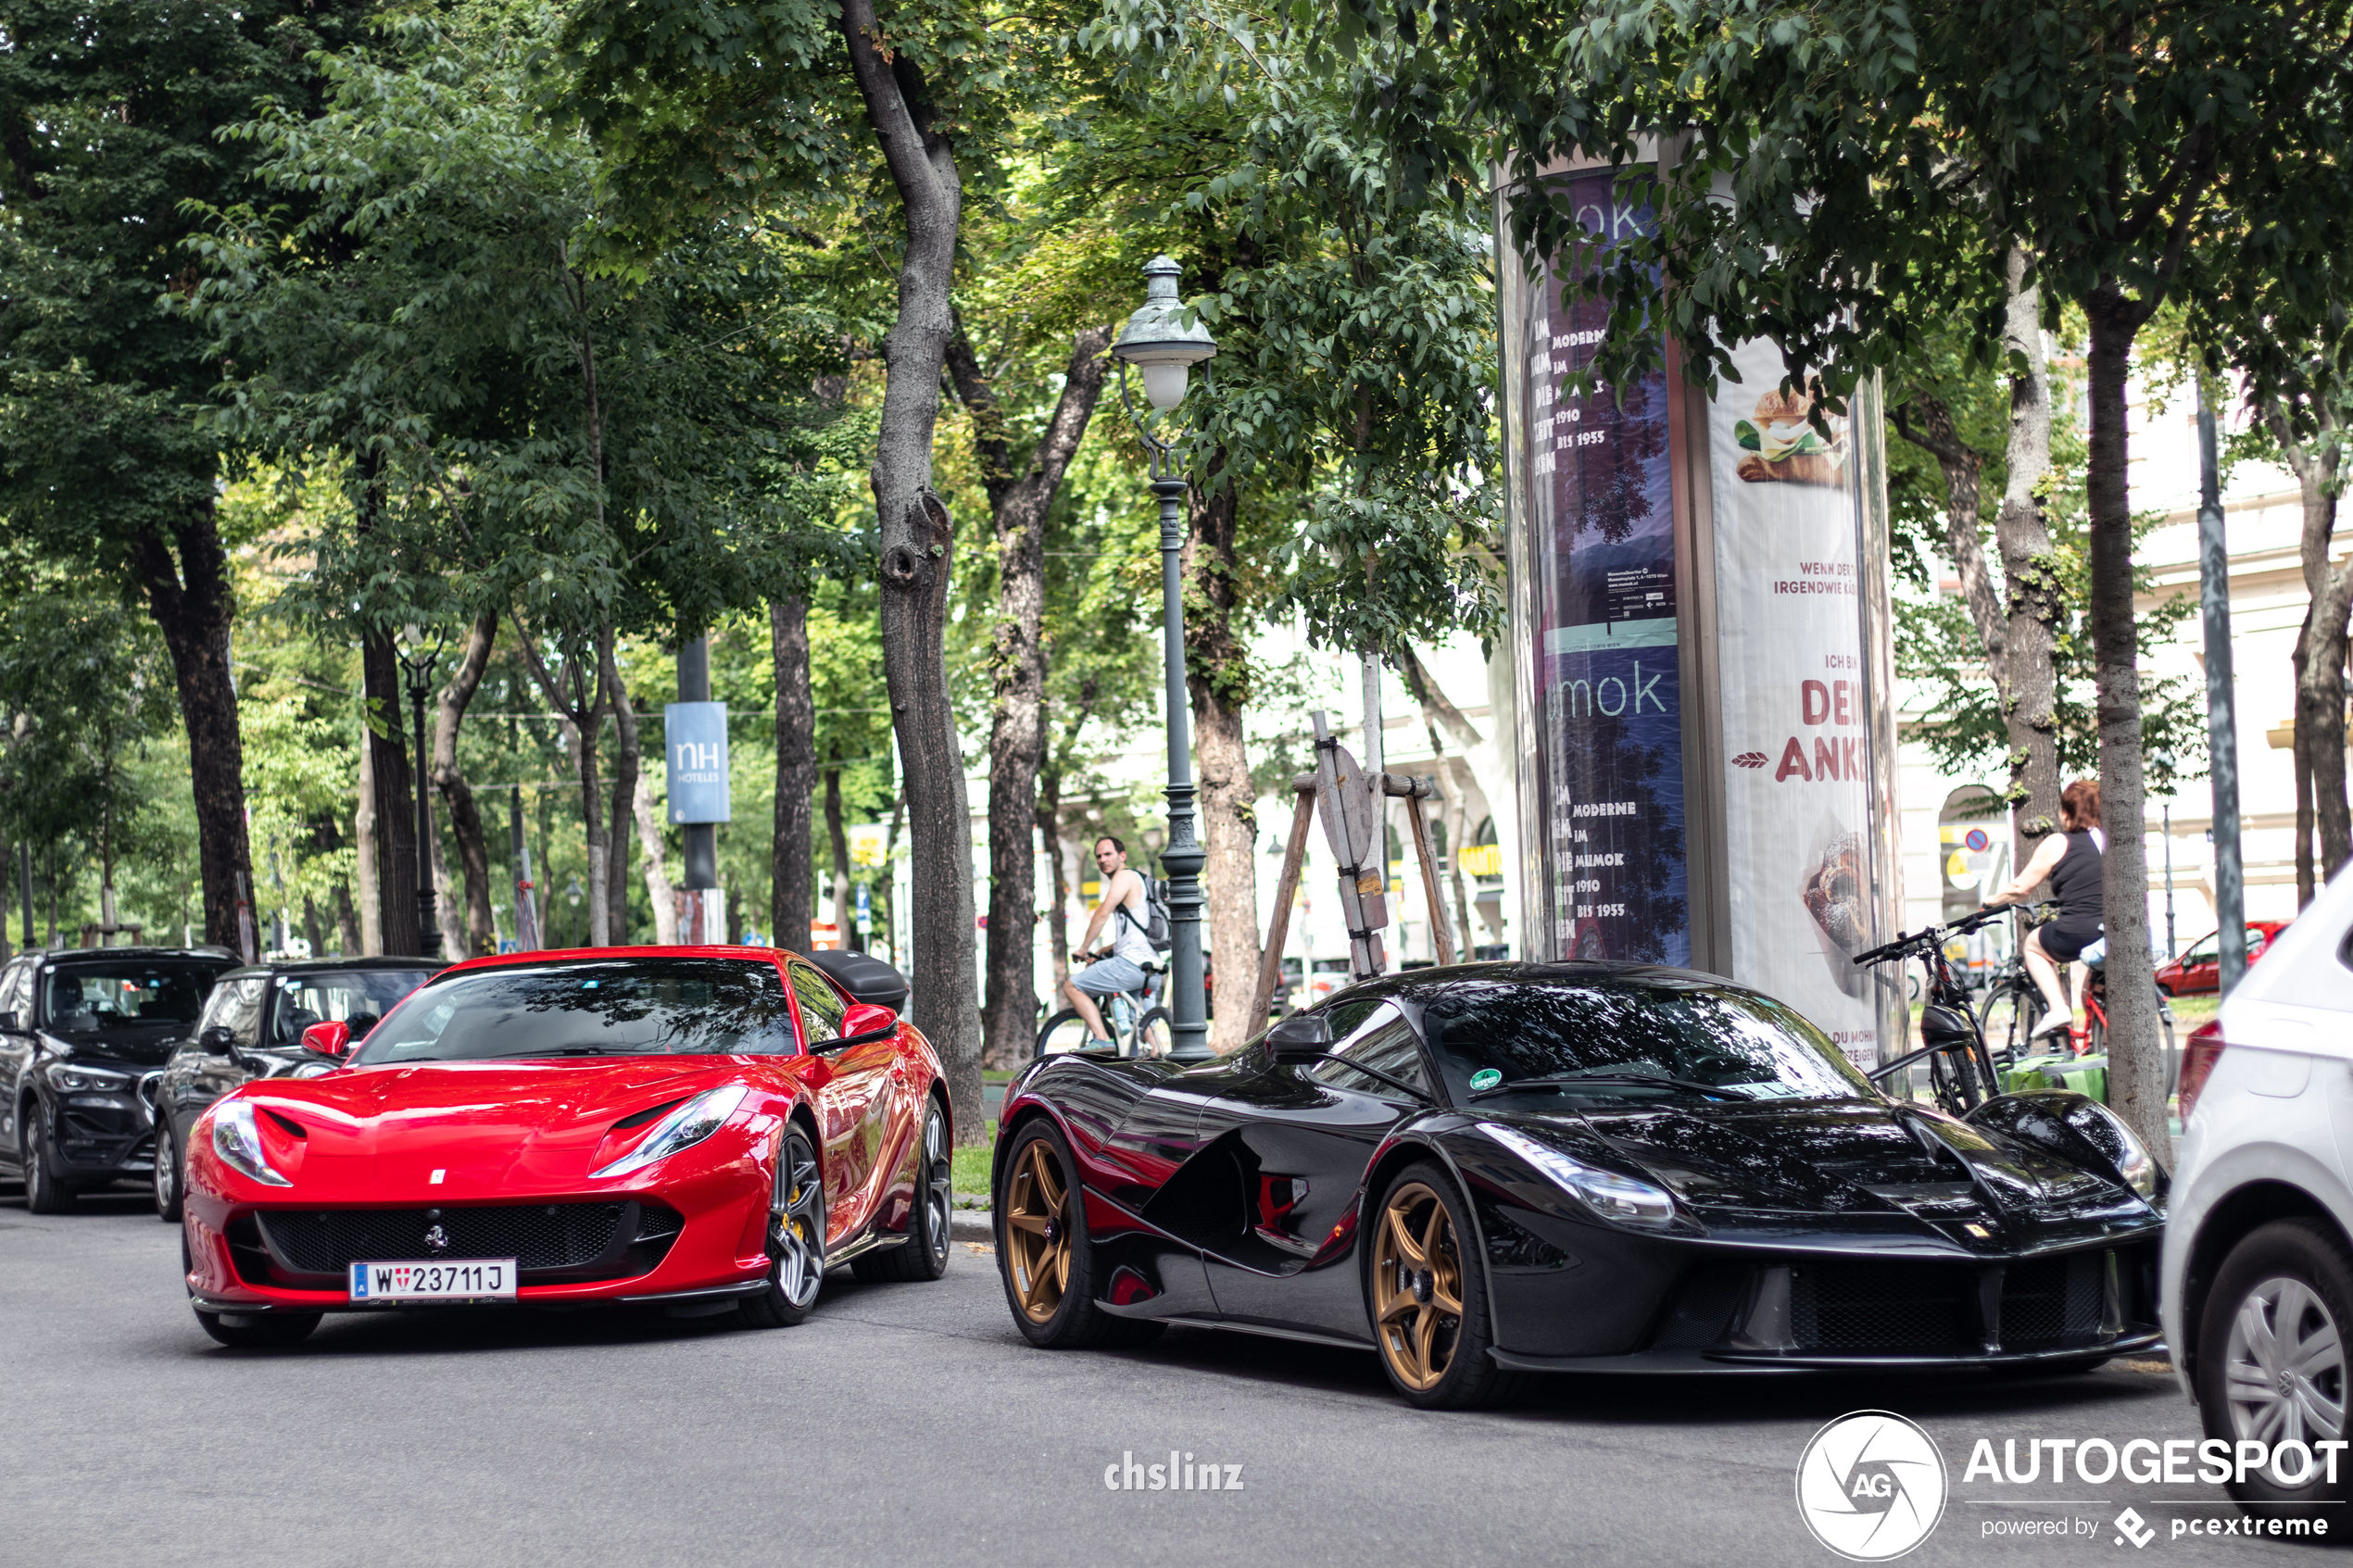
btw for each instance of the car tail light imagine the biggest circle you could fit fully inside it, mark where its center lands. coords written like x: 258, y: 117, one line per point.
x: 2199, y: 1054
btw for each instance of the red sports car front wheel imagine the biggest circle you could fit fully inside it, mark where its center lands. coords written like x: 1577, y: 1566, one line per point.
x: 795, y: 1240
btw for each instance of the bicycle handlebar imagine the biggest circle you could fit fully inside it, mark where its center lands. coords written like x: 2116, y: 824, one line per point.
x: 1930, y: 937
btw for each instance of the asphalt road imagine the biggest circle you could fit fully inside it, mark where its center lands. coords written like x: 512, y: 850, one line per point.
x: 906, y: 1424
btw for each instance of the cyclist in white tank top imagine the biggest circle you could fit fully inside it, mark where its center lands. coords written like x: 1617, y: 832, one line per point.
x: 1119, y: 967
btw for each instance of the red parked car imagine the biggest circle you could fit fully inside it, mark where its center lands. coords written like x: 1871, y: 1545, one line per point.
x: 703, y: 1129
x: 2199, y: 971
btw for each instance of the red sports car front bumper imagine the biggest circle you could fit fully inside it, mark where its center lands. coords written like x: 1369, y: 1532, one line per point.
x: 692, y: 1228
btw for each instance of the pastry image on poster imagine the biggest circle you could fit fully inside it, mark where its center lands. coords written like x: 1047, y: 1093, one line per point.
x: 1836, y: 894
x: 1779, y: 443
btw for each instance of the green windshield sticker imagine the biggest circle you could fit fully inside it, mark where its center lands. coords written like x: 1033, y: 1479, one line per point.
x: 1484, y: 1078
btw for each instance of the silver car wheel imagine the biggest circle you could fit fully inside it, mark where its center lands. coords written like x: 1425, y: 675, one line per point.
x: 2285, y: 1369
x: 939, y: 1199
x: 801, y: 1227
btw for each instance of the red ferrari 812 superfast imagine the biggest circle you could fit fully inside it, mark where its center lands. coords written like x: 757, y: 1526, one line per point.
x: 702, y: 1129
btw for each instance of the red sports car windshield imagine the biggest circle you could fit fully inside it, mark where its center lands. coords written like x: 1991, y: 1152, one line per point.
x: 633, y: 1006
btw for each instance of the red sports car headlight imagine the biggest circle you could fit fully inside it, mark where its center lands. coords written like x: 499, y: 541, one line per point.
x: 237, y: 1140
x: 689, y: 1124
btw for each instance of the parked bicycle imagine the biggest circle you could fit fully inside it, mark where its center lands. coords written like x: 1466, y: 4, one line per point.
x: 2092, y: 1037
x: 1138, y: 1025
x: 1962, y: 1073
x: 2012, y: 1001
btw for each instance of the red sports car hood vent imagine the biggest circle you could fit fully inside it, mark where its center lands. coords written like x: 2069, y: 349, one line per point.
x: 470, y: 1130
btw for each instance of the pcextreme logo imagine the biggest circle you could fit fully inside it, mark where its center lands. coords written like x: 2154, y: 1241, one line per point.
x: 1871, y: 1486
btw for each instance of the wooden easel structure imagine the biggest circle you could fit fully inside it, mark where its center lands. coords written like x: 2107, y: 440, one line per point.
x: 1306, y: 787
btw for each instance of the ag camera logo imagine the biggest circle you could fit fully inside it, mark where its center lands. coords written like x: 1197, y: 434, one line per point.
x: 1871, y: 1485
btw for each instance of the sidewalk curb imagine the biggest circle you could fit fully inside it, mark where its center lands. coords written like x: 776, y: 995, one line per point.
x: 971, y: 1224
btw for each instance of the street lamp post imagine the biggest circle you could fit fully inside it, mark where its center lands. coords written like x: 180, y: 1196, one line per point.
x: 1165, y: 348
x: 420, y: 651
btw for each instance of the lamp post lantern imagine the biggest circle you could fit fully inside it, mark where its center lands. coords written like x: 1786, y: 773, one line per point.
x: 420, y: 651
x: 1165, y: 348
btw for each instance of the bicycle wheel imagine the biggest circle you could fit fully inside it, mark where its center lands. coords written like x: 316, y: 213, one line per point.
x: 1064, y: 1032
x: 1154, y: 1035
x: 2004, y: 1019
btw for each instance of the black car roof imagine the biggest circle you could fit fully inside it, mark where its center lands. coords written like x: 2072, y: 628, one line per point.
x: 1428, y: 982
x: 115, y: 955
x: 335, y: 966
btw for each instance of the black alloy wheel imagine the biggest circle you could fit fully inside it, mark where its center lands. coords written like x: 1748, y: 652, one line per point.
x: 259, y: 1331
x: 1044, y: 1258
x: 43, y: 1193
x: 795, y: 1239
x: 1426, y: 1293
x: 167, y: 1182
x: 923, y: 1255
x: 2272, y: 1361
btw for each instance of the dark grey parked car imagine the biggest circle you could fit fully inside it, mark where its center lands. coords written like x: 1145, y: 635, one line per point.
x: 83, y: 1032
x: 251, y: 1028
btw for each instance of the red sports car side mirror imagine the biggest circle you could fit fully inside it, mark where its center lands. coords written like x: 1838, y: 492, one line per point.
x: 328, y: 1039
x: 867, y: 1020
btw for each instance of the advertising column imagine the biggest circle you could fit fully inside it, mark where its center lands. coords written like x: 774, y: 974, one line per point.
x: 1595, y: 621
x: 1699, y: 617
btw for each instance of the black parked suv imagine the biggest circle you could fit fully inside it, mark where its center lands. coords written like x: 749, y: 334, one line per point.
x: 251, y: 1028
x: 80, y: 1028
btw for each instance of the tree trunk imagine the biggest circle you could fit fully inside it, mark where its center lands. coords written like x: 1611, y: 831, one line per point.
x: 580, y: 704
x: 838, y: 839
x: 916, y: 540
x: 592, y: 799
x: 1017, y: 664
x: 651, y: 848
x: 1217, y: 677
x: 396, y: 799
x: 2320, y: 652
x: 363, y: 828
x: 347, y: 938
x: 448, y: 904
x: 627, y: 762
x: 792, y: 892
x: 191, y: 598
x: 2021, y: 532
x: 479, y: 933
x: 1050, y: 831
x: 2136, y: 1068
x: 2306, y: 874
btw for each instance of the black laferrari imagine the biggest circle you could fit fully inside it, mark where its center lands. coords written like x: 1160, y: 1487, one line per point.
x: 1502, y: 1169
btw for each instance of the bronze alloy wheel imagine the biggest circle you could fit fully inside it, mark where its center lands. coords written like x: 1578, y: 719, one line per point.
x: 1037, y: 1221
x: 1418, y: 1286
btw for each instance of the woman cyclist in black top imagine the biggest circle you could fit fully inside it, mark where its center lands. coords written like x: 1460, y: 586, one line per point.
x: 2071, y: 860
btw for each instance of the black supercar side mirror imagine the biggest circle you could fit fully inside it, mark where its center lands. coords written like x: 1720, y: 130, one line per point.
x: 1304, y: 1036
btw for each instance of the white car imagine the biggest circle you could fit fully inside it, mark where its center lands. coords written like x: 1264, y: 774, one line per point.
x: 2258, y: 1285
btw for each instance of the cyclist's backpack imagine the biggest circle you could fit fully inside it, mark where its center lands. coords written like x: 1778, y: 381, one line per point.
x: 1155, y: 922
x: 1156, y: 930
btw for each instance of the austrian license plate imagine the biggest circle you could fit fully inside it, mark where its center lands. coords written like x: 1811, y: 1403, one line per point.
x: 457, y: 1279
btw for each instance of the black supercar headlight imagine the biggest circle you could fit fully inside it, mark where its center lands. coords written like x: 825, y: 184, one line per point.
x: 1627, y: 1199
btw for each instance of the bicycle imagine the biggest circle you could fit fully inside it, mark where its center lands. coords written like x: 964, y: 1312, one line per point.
x: 1962, y: 1073
x: 1138, y: 1025
x: 2012, y: 1000
x: 2092, y: 1039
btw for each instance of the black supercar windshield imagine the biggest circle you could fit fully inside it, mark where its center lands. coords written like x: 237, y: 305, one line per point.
x: 1648, y: 1042
x: 625, y: 1007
